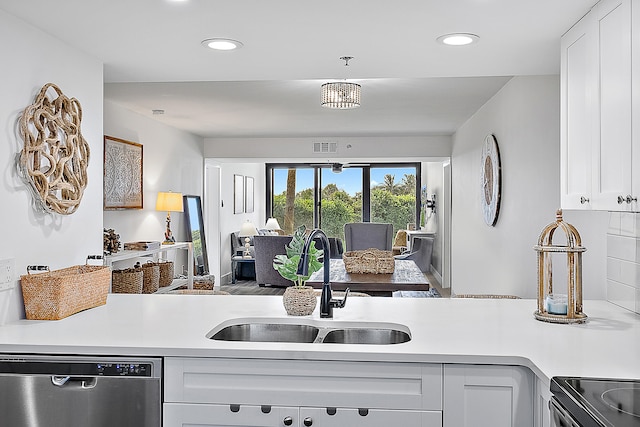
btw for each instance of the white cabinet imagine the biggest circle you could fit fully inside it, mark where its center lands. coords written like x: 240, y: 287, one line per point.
x: 542, y: 415
x: 488, y: 396
x: 577, y: 109
x: 611, y: 21
x: 210, y: 415
x: 598, y: 92
x: 124, y: 255
x: 262, y: 392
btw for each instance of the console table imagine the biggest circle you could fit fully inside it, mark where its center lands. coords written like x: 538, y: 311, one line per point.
x: 156, y: 253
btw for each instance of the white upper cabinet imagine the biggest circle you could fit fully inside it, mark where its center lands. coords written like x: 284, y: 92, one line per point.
x: 577, y: 110
x: 597, y: 148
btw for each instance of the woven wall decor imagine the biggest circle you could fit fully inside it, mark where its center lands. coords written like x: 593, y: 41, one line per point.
x: 55, y: 156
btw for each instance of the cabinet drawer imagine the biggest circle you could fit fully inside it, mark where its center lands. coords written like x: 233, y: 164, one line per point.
x: 209, y: 415
x: 343, y: 417
x: 186, y: 415
x: 304, y: 383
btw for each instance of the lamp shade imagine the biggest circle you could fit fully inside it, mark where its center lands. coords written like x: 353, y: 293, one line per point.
x: 248, y: 229
x: 272, y: 224
x: 169, y: 202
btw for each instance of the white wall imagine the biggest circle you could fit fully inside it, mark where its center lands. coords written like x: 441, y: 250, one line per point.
x: 361, y: 148
x: 172, y: 161
x: 31, y: 59
x: 524, y: 116
x: 434, y: 180
x: 230, y: 222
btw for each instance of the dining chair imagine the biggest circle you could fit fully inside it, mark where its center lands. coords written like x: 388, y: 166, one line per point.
x: 365, y: 235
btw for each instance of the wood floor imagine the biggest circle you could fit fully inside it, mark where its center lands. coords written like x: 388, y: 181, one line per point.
x: 250, y: 287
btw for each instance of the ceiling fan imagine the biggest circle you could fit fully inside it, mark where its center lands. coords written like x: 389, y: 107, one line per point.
x: 337, y: 167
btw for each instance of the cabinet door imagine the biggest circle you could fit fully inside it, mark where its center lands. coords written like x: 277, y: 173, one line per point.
x: 350, y: 417
x: 184, y: 414
x: 488, y: 396
x: 612, y: 147
x: 577, y: 112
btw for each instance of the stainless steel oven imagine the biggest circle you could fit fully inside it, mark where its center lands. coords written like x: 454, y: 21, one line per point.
x: 80, y: 391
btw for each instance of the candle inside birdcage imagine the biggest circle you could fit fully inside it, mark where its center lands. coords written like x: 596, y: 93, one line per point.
x: 560, y: 302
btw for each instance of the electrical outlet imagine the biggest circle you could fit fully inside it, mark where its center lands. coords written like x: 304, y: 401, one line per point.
x: 7, y: 273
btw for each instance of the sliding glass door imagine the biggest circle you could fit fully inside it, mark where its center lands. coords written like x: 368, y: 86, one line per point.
x: 320, y: 197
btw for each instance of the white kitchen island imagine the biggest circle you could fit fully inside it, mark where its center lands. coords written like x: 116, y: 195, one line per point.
x: 454, y: 342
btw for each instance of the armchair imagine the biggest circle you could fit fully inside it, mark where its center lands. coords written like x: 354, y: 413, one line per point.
x: 421, y: 251
x: 365, y: 235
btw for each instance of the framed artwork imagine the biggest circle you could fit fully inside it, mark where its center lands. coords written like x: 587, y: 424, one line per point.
x: 238, y: 194
x: 248, y: 194
x: 122, y: 174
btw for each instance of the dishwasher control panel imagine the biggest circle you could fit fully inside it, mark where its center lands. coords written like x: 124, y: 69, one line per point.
x: 123, y: 369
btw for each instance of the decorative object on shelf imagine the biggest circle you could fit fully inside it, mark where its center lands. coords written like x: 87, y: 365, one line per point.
x: 55, y: 155
x: 341, y: 95
x: 298, y: 300
x: 150, y: 277
x: 238, y: 194
x: 111, y: 243
x: 196, y: 234
x: 122, y: 174
x: 167, y: 273
x: 491, y: 180
x: 141, y: 246
x: 558, y: 307
x: 369, y: 261
x: 248, y: 194
x: 247, y: 231
x: 273, y: 226
x: 54, y: 295
x: 127, y: 281
x: 169, y: 202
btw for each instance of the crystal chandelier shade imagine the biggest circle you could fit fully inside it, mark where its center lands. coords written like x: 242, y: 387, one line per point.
x: 340, y: 95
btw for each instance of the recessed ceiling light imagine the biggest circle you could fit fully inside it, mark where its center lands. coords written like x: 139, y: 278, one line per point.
x: 458, y: 39
x: 222, y: 44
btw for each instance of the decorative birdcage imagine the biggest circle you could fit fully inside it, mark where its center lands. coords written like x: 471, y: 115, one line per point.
x: 559, y: 307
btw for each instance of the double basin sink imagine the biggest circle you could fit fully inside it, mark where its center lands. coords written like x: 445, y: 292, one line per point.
x: 286, y: 330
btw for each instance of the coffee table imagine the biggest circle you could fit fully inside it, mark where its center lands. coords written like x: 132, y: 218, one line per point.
x: 406, y: 277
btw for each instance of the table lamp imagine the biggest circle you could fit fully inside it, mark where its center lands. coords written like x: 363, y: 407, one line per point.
x: 272, y: 225
x: 169, y: 202
x: 247, y: 230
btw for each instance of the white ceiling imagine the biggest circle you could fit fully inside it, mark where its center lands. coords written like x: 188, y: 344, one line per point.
x: 411, y: 85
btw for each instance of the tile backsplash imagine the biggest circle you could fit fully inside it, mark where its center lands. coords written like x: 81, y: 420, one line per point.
x: 623, y: 260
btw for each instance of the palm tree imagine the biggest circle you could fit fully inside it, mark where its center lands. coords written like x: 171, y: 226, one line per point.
x: 408, y: 184
x: 289, y: 218
x: 389, y: 184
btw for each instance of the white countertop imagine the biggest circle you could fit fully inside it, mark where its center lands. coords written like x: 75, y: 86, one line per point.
x: 443, y: 330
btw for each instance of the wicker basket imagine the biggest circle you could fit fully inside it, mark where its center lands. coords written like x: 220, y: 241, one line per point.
x: 201, y: 283
x: 150, y: 277
x: 127, y: 281
x: 166, y: 273
x: 369, y: 261
x: 299, y: 300
x: 57, y: 294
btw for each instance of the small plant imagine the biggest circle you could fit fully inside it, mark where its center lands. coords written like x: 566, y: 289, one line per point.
x: 287, y: 265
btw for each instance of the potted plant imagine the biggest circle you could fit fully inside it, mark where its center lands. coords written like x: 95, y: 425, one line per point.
x: 299, y: 300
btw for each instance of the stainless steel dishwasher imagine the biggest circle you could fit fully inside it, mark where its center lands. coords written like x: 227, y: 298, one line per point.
x: 52, y: 391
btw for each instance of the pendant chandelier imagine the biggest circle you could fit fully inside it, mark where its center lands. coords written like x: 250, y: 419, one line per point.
x: 341, y: 95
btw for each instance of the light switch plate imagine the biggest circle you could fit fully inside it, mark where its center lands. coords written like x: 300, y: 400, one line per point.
x: 7, y: 273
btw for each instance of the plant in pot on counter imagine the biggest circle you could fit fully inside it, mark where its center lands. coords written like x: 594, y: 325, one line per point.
x: 299, y: 299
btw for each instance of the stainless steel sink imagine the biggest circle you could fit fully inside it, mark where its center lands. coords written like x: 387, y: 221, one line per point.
x: 309, y: 331
x: 366, y: 336
x: 267, y: 332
